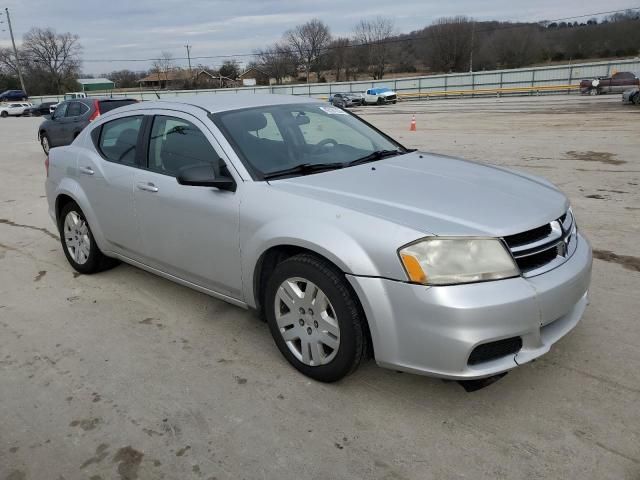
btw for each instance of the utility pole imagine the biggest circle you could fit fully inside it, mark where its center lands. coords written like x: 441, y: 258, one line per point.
x: 188, y: 47
x: 15, y: 51
x: 473, y: 32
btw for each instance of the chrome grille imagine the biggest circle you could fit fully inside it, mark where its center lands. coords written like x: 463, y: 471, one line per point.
x: 543, y: 248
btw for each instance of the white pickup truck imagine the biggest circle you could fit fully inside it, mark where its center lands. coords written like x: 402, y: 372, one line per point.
x: 380, y: 96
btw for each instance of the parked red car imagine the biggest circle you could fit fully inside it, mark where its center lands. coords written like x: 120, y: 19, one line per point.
x: 616, y: 83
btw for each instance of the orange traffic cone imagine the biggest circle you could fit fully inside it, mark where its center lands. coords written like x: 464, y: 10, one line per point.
x: 412, y: 128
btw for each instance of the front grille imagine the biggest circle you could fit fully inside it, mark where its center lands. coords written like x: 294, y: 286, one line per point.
x: 494, y: 350
x: 529, y: 236
x: 391, y: 98
x: 544, y: 247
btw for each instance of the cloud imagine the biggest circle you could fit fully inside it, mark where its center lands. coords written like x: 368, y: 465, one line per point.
x: 127, y: 29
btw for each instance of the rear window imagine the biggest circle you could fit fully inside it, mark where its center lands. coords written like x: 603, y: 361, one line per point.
x: 108, y: 105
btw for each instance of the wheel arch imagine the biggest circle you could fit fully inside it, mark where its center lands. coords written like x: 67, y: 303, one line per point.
x: 70, y: 191
x: 275, y: 254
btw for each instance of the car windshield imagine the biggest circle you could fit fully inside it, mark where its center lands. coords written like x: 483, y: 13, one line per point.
x: 275, y: 138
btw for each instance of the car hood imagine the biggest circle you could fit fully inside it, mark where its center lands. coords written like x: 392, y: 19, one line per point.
x: 437, y: 195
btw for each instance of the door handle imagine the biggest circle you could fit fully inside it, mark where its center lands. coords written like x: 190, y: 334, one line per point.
x: 86, y: 170
x: 147, y: 187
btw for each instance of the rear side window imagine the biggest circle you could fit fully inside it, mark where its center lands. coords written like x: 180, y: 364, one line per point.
x: 76, y: 109
x: 119, y: 139
x: 108, y: 105
x: 176, y: 143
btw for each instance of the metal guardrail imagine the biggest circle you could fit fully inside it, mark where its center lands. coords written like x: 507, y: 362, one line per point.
x: 521, y: 81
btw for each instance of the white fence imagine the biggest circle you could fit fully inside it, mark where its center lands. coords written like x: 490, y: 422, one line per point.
x: 536, y: 80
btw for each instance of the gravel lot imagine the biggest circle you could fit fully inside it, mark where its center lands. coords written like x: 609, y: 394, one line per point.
x: 124, y: 375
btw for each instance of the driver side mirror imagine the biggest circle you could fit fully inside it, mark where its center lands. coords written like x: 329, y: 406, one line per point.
x: 205, y: 176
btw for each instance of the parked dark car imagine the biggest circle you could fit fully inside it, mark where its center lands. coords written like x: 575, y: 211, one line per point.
x: 344, y: 100
x: 40, y: 110
x: 631, y: 96
x: 616, y: 83
x: 13, y: 96
x: 71, y: 116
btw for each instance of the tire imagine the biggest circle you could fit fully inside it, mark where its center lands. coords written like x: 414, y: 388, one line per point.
x: 636, y: 99
x: 78, y: 244
x: 4, y: 114
x: 340, y: 323
x: 380, y: 101
x: 45, y: 143
x: 594, y: 91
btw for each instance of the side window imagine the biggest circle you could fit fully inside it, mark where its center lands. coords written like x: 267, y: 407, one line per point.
x: 60, y: 110
x: 73, y: 110
x: 119, y: 138
x: 176, y: 143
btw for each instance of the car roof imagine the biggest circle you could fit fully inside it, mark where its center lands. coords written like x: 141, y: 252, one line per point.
x: 222, y: 102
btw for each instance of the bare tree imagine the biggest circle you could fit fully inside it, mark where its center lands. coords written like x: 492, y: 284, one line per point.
x: 308, y: 41
x: 450, y: 43
x: 125, y: 78
x: 374, y: 36
x: 339, y: 56
x: 163, y: 65
x: 8, y: 64
x: 52, y: 57
x: 277, y: 61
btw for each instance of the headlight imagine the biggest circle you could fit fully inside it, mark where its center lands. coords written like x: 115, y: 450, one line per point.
x: 447, y: 261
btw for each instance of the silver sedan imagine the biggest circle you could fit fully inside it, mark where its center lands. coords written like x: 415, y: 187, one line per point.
x: 347, y: 242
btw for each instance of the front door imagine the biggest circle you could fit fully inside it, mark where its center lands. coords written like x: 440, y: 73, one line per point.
x: 187, y: 231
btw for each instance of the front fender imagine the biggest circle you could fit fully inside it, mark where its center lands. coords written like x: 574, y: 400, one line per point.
x: 320, y: 237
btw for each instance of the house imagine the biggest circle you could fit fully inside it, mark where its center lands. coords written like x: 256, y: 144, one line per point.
x: 178, y: 78
x: 170, y: 79
x: 254, y: 76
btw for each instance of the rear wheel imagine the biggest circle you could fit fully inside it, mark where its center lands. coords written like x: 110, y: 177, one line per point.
x: 314, y: 318
x: 44, y: 141
x: 78, y: 243
x: 4, y: 114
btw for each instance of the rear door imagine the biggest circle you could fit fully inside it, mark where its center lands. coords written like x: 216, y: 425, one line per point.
x: 106, y: 176
x: 186, y: 231
x: 74, y: 120
x: 55, y: 127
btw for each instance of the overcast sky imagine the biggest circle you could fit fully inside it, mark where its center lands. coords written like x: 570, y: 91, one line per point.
x: 141, y: 29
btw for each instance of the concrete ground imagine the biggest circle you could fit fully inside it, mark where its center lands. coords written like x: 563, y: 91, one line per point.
x: 124, y: 375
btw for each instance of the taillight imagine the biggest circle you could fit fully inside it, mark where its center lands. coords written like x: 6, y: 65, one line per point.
x: 46, y: 165
x: 96, y: 112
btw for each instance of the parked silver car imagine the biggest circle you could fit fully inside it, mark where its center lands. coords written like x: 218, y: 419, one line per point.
x: 346, y: 241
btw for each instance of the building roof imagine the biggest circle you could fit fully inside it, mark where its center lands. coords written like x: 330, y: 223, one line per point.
x: 93, y: 81
x: 253, y: 69
x: 168, y: 76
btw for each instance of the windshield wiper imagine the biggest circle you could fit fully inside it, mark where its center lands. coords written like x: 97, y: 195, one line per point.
x: 373, y: 156
x: 303, y: 169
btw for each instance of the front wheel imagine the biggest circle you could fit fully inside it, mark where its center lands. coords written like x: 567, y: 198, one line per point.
x: 636, y: 98
x: 314, y: 318
x: 78, y: 243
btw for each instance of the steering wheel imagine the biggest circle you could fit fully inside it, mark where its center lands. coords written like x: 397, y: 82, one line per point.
x: 323, y: 143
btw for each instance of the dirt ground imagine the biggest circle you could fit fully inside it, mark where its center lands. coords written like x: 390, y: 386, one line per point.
x: 124, y: 375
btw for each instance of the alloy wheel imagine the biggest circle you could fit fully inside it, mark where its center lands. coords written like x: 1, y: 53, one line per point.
x: 76, y: 237
x: 44, y: 141
x: 307, y: 321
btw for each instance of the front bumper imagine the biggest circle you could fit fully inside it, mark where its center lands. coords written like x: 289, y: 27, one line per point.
x: 433, y: 330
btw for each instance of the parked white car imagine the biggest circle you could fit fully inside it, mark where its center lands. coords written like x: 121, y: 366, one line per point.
x: 380, y: 96
x: 14, y: 109
x: 74, y: 95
